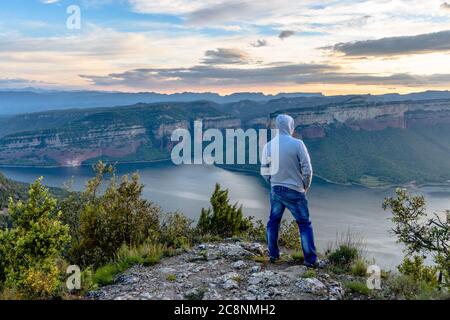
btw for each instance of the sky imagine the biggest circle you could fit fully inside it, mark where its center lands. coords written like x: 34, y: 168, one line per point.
x: 225, y: 46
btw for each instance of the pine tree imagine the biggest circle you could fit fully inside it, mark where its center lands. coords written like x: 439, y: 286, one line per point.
x: 223, y: 219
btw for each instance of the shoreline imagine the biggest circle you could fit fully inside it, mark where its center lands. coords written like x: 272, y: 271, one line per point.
x: 349, y: 184
x: 410, y: 184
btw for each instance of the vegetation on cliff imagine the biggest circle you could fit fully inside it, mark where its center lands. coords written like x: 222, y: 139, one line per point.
x: 390, y: 156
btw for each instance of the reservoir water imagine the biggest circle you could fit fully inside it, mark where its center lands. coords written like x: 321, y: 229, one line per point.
x: 334, y: 208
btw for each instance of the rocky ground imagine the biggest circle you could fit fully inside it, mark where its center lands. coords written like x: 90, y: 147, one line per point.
x: 228, y: 270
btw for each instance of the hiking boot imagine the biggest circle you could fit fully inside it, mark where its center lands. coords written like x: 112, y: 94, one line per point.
x: 319, y: 264
x: 274, y: 260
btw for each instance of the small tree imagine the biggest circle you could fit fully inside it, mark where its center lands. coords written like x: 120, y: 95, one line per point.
x: 30, y: 250
x: 223, y: 219
x: 421, y: 235
x: 107, y: 220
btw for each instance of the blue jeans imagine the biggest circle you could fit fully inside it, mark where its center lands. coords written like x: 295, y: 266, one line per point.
x: 296, y: 202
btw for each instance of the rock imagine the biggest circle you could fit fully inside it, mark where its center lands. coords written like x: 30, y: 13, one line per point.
x: 311, y: 285
x: 230, y: 275
x: 167, y: 270
x: 294, y: 272
x: 146, y: 296
x: 220, y: 271
x: 255, y: 269
x: 126, y: 279
x: 239, y: 264
x: 234, y: 251
x: 255, y: 248
x: 230, y: 284
x: 255, y: 280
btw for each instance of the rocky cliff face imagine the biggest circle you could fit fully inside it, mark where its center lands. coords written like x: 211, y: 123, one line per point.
x: 72, y: 146
x: 370, y: 117
x: 143, y: 132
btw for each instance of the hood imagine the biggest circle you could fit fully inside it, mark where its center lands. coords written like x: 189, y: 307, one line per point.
x: 285, y: 124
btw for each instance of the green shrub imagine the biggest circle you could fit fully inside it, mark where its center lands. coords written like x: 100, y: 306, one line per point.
x: 298, y: 256
x: 343, y: 256
x: 309, y: 274
x: 359, y: 268
x: 257, y: 232
x: 107, y: 221
x: 289, y: 236
x: 171, y: 277
x: 420, y: 234
x: 105, y: 275
x: 176, y: 231
x: 359, y: 287
x: 406, y: 287
x: 418, y: 271
x: 29, y: 252
x: 223, y: 219
x: 147, y: 254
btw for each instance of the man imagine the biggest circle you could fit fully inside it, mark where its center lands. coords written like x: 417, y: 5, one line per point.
x: 286, y: 165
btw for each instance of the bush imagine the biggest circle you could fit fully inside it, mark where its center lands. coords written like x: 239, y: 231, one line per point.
x: 418, y: 271
x: 257, y: 232
x: 106, y: 275
x: 109, y: 220
x: 223, y: 219
x: 309, y: 274
x: 171, y: 277
x: 343, y: 256
x: 421, y: 235
x: 146, y: 254
x: 359, y: 268
x: 406, y: 287
x: 359, y: 287
x: 298, y: 256
x: 176, y: 231
x: 29, y: 252
x: 289, y: 236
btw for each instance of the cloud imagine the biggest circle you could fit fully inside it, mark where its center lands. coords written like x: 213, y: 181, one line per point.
x: 286, y: 34
x: 401, y: 79
x: 393, y: 46
x: 285, y: 74
x: 221, y: 12
x: 226, y: 56
x: 260, y: 43
x: 19, y: 82
x: 49, y: 1
x: 208, y: 75
x: 445, y: 6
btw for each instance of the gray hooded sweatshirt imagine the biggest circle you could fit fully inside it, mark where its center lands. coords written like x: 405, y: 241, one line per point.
x: 293, y: 169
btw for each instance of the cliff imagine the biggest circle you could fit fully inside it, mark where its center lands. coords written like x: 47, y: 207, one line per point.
x: 135, y: 133
x: 368, y: 116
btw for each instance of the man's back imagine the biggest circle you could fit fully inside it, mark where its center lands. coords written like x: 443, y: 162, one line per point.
x: 293, y: 169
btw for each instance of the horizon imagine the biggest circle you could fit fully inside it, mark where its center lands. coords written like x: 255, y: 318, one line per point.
x: 336, y: 48
x: 44, y: 90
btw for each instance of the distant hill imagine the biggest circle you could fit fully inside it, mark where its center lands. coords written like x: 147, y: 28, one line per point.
x: 32, y: 100
x: 17, y: 101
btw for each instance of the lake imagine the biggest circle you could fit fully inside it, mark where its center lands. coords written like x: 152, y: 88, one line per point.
x: 334, y: 208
